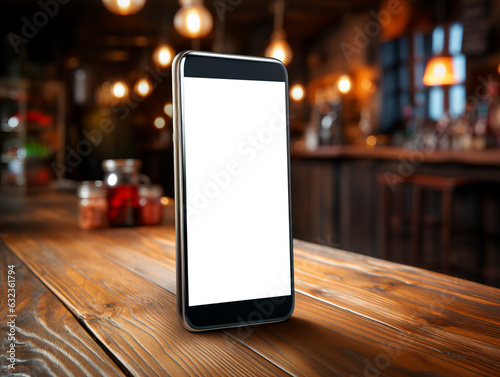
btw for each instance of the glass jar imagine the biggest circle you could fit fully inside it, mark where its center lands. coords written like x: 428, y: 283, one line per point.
x: 122, y: 179
x: 151, y: 209
x: 93, y: 205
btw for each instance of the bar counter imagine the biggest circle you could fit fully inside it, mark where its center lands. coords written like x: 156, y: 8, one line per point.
x: 336, y: 193
x: 488, y: 157
x: 102, y: 303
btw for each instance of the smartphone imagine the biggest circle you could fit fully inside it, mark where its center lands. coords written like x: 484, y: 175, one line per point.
x: 232, y: 191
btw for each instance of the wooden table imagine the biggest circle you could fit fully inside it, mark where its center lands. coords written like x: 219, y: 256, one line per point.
x: 102, y: 303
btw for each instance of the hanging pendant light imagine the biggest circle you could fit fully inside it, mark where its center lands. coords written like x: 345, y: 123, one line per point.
x: 119, y: 89
x: 159, y: 122
x: 168, y: 109
x: 163, y: 55
x: 193, y: 20
x: 439, y: 71
x: 297, y: 92
x: 124, y: 7
x: 344, y: 85
x: 279, y: 48
x: 143, y: 87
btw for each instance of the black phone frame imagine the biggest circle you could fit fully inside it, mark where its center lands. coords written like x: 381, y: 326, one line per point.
x: 247, y: 312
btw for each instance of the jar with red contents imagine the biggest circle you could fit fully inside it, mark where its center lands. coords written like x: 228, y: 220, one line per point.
x: 151, y: 209
x: 122, y: 180
x: 93, y: 205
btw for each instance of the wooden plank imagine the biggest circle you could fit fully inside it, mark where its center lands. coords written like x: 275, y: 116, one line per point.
x: 315, y: 268
x: 135, y: 320
x: 439, y: 314
x: 48, y: 339
x: 354, y: 315
x: 409, y: 313
x: 373, y: 289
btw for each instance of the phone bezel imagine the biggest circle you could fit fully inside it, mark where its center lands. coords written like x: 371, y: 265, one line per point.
x: 248, y: 312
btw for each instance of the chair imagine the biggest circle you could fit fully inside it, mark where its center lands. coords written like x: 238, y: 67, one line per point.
x: 420, y: 184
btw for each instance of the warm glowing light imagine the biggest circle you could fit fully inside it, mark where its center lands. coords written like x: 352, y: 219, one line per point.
x: 164, y: 200
x: 279, y: 49
x: 163, y: 55
x: 119, y: 89
x: 124, y: 7
x: 13, y: 122
x: 123, y: 4
x: 168, y: 109
x: 498, y: 68
x: 297, y: 92
x: 371, y: 141
x: 439, y: 71
x: 143, y: 87
x: 344, y: 84
x: 159, y: 122
x: 193, y: 20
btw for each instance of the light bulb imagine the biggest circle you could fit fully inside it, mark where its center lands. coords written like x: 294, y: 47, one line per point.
x: 124, y: 7
x: 371, y: 141
x: 344, y: 84
x: 163, y: 55
x: 297, y: 92
x: 159, y: 122
x: 279, y: 48
x: 143, y: 87
x: 168, y: 109
x: 13, y: 122
x: 193, y: 20
x: 119, y: 89
x: 439, y: 70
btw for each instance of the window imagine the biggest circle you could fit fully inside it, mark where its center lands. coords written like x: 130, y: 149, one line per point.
x: 403, y: 64
x: 396, y: 84
x: 454, y: 94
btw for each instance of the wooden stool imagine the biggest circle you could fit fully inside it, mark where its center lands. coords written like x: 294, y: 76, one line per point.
x: 393, y: 216
x: 420, y: 183
x: 447, y: 187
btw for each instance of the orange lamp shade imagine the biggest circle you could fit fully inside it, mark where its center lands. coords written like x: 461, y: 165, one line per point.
x: 439, y: 71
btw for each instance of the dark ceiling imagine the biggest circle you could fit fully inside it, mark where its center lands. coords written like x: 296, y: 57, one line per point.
x: 86, y: 24
x: 85, y: 29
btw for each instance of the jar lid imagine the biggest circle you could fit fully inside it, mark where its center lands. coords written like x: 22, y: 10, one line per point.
x: 150, y: 191
x: 92, y: 189
x: 127, y: 165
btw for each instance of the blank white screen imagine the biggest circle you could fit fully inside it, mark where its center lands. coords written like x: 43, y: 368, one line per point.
x: 238, y: 241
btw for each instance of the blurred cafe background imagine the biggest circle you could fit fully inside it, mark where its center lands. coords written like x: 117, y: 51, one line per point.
x: 394, y: 113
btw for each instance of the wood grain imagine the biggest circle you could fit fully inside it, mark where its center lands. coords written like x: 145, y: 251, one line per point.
x: 134, y: 319
x: 354, y: 316
x: 401, y: 303
x: 49, y: 340
x: 431, y: 315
